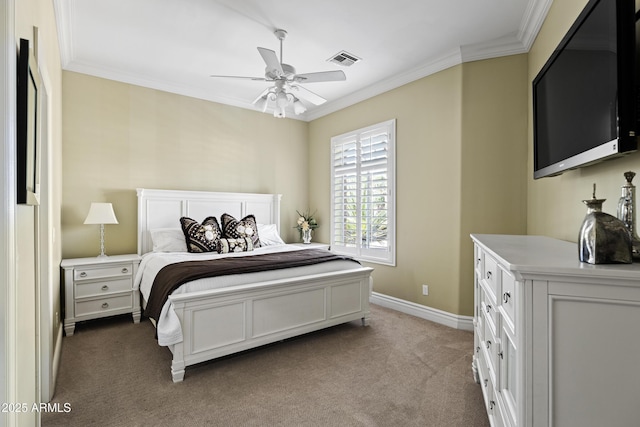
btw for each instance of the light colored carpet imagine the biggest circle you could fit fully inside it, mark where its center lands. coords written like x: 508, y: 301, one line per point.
x: 399, y: 371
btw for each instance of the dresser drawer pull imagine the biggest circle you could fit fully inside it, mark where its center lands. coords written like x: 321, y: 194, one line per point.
x: 486, y: 382
x: 478, y: 349
x: 505, y: 297
x: 488, y: 308
x: 501, y: 354
x: 105, y: 305
x: 489, y: 275
x: 488, y: 344
x: 83, y: 274
x: 492, y: 405
x: 105, y: 288
x: 125, y: 270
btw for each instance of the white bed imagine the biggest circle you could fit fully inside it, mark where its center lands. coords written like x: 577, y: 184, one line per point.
x: 254, y: 309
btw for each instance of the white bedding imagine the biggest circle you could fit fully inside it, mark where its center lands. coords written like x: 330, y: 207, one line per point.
x: 168, y: 325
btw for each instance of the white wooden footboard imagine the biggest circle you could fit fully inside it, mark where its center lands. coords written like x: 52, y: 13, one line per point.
x: 219, y: 322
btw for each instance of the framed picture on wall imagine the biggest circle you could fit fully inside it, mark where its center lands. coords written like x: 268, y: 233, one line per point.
x: 28, y: 126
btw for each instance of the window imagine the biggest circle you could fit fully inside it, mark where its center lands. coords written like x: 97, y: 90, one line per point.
x: 363, y: 193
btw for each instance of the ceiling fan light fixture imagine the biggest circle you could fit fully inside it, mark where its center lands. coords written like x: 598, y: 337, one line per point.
x: 279, y: 113
x: 285, y: 79
x: 262, y: 103
x: 282, y: 100
x: 298, y: 107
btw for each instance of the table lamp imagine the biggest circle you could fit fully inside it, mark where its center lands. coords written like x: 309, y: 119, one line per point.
x: 101, y: 213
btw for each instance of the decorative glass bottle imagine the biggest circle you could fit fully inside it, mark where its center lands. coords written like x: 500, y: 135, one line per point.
x: 627, y: 212
x: 603, y: 239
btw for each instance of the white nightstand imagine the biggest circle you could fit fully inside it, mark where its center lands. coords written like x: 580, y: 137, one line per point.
x: 314, y: 245
x: 99, y: 287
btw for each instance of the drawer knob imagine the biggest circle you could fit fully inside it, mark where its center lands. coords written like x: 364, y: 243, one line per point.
x: 105, y: 288
x: 486, y: 382
x: 125, y: 270
x: 506, y: 296
x: 478, y: 349
x: 83, y: 274
x: 105, y: 305
x: 501, y: 354
x: 489, y: 274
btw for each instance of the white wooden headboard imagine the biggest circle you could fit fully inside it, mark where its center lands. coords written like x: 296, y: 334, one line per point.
x: 164, y: 208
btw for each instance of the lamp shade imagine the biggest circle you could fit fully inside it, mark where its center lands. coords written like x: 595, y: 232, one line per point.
x: 101, y: 213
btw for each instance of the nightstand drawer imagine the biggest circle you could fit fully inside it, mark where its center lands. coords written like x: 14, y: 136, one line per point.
x: 100, y: 272
x: 103, y: 305
x: 104, y: 287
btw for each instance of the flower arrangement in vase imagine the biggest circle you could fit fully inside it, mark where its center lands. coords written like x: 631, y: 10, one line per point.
x: 306, y: 223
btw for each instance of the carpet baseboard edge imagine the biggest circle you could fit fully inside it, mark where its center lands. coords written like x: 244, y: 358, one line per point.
x: 433, y: 314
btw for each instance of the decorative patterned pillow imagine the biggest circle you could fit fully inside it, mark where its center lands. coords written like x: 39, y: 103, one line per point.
x: 201, y: 237
x: 244, y: 244
x: 234, y: 229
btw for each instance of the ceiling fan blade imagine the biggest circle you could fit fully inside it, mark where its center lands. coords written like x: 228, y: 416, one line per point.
x: 323, y: 76
x: 273, y: 65
x: 307, y: 95
x: 262, y: 79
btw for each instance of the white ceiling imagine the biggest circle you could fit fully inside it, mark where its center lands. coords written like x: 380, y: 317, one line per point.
x: 175, y: 45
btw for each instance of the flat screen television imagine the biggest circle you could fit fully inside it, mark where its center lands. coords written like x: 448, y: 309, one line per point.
x: 584, y: 98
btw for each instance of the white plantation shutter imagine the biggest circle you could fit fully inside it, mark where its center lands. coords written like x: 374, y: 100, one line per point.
x: 363, y: 193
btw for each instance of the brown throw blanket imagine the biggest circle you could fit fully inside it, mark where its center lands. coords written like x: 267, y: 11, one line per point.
x: 173, y: 275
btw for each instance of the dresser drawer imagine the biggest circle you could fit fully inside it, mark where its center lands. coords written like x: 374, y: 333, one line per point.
x: 508, y: 297
x: 477, y: 254
x: 480, y: 321
x: 489, y: 273
x: 103, y: 305
x: 491, y: 354
x: 103, y: 287
x: 490, y: 312
x: 102, y: 272
x: 490, y: 347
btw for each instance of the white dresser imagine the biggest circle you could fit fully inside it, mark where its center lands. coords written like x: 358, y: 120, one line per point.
x: 557, y: 341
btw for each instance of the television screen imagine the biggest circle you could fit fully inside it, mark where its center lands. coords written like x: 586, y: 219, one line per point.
x: 584, y: 102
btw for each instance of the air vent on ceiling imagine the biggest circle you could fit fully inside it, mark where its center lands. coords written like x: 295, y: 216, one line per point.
x: 344, y: 58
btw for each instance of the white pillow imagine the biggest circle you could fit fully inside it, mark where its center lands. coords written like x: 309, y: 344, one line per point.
x: 269, y: 236
x: 168, y: 240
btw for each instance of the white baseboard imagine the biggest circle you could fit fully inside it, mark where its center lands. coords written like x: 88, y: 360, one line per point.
x: 56, y: 360
x: 433, y: 314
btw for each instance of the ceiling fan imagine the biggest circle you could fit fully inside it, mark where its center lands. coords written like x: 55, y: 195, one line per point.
x: 286, y: 82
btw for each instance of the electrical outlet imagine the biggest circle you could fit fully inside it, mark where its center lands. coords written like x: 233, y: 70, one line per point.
x: 425, y: 289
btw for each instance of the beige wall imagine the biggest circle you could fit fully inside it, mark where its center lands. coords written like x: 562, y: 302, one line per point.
x: 38, y: 251
x: 555, y: 204
x: 494, y: 135
x: 427, y: 114
x: 118, y: 137
x: 461, y: 148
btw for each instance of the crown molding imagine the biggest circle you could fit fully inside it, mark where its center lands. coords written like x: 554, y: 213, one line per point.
x: 64, y: 13
x: 446, y: 61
